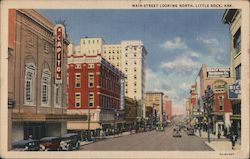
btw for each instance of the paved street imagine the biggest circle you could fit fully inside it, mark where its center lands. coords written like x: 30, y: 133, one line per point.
x: 152, y: 140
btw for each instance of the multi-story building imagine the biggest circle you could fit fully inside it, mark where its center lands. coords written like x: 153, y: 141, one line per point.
x: 154, y: 100
x: 95, y: 90
x: 128, y: 56
x: 133, y: 64
x: 36, y: 76
x: 167, y: 109
x: 219, y: 79
x: 112, y: 53
x: 130, y: 112
x: 232, y: 17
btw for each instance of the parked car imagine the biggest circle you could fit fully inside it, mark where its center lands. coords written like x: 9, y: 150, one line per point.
x: 190, y: 131
x: 26, y: 145
x: 70, y: 142
x: 176, y: 133
x: 50, y: 143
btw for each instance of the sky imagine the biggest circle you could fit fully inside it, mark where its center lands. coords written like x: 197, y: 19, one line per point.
x: 178, y: 41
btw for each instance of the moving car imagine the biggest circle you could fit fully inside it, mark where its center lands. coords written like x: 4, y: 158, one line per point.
x: 176, y: 133
x: 26, y: 145
x: 70, y: 142
x: 50, y: 143
x: 190, y: 131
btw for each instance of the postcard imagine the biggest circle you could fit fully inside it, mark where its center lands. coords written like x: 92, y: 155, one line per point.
x: 124, y: 79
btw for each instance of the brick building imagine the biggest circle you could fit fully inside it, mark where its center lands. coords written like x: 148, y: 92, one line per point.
x: 167, y: 107
x: 38, y: 102
x: 95, y: 89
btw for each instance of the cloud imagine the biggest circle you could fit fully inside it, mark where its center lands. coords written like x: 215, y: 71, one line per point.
x: 185, y: 86
x: 210, y: 42
x: 182, y: 63
x: 176, y: 43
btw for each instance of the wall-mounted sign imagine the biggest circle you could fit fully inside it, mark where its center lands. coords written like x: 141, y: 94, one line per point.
x: 59, y: 32
x: 234, y: 91
x: 218, y: 72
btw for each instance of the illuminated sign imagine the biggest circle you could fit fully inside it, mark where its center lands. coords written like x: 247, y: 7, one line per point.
x: 218, y: 72
x: 59, y: 32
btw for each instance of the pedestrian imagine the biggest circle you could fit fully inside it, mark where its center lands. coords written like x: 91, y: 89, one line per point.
x: 225, y: 132
x: 233, y: 140
x: 219, y: 135
x: 30, y: 137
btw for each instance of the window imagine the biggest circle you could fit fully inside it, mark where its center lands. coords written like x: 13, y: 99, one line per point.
x: 91, y: 99
x: 78, y: 80
x: 83, y: 42
x: 135, y: 77
x: 91, y: 66
x: 237, y: 41
x: 77, y: 100
x: 134, y: 54
x: 91, y: 80
x: 221, y: 104
x: 135, y: 69
x: 46, y: 47
x: 126, y: 69
x: 135, y: 62
x: 126, y: 54
x: 126, y: 62
x: 45, y: 87
x: 29, y: 90
x: 238, y: 72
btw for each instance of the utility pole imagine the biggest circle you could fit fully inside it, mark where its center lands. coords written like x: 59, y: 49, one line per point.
x: 209, y: 100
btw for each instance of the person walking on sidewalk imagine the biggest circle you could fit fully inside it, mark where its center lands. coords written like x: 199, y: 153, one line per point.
x: 233, y: 140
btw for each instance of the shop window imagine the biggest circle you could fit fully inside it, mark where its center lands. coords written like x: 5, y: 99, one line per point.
x: 29, y: 94
x: 77, y: 100
x: 45, y: 87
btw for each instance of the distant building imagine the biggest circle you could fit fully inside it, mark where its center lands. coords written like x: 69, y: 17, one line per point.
x: 155, y: 101
x: 95, y: 90
x: 167, y: 108
x: 232, y: 17
x: 131, y: 109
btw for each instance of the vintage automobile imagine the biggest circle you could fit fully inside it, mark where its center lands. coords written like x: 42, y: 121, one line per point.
x: 190, y: 131
x: 26, y: 145
x: 50, y: 143
x: 70, y: 141
x: 176, y: 133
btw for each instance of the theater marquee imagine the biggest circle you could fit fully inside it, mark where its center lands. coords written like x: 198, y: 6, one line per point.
x: 59, y: 32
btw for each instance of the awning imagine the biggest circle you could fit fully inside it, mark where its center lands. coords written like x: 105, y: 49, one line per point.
x: 47, y: 117
x: 235, y: 117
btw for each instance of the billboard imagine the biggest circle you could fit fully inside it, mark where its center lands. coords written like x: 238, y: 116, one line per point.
x: 59, y: 33
x: 234, y: 91
x: 218, y: 72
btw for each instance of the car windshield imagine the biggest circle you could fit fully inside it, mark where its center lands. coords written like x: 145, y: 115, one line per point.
x: 65, y: 138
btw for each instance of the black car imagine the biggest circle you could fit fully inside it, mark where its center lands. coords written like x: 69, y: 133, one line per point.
x: 70, y: 141
x: 26, y: 145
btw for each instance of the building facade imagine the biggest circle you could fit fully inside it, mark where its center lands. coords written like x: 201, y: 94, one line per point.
x: 232, y: 17
x: 167, y: 109
x: 131, y: 108
x: 218, y: 78
x: 94, y: 89
x: 38, y: 107
x: 154, y: 100
x: 128, y: 56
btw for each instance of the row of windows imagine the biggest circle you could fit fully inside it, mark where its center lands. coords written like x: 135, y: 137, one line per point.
x: 90, y: 42
x: 111, y: 52
x: 126, y: 54
x: 29, y: 87
x: 91, y: 80
x: 78, y: 103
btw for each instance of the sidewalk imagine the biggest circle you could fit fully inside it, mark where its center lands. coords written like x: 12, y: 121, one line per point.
x: 222, y: 144
x: 82, y: 143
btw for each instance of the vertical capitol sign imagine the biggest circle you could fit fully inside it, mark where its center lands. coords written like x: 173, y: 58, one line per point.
x: 59, y: 32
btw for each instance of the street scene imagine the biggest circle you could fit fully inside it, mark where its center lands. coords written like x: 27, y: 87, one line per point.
x: 124, y: 80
